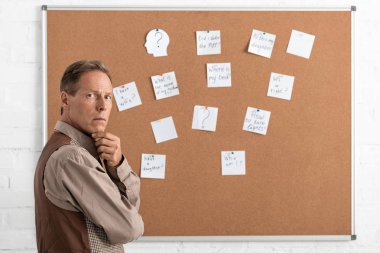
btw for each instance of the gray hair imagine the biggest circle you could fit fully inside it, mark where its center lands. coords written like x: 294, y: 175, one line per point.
x: 72, y: 74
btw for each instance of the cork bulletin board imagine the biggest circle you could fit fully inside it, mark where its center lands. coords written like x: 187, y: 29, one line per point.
x: 298, y: 179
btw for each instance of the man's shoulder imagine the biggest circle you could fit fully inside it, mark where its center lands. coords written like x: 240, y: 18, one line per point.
x: 72, y: 151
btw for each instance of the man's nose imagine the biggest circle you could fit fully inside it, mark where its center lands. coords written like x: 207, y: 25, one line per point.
x: 101, y: 105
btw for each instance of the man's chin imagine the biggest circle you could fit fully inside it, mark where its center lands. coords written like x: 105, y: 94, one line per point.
x: 98, y: 128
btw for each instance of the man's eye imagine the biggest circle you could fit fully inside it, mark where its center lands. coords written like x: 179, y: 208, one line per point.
x: 108, y: 97
x: 90, y: 95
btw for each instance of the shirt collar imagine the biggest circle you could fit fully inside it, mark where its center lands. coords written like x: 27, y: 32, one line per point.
x: 81, y: 138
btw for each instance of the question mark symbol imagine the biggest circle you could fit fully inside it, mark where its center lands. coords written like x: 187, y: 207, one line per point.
x: 205, y: 111
x: 132, y: 98
x: 159, y: 35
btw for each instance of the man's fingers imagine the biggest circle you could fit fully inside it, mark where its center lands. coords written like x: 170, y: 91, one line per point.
x: 105, y: 135
x: 108, y: 147
x: 109, y: 140
x: 105, y: 142
x: 105, y: 149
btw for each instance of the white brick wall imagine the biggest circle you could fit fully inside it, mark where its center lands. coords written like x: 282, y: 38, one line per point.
x: 20, y: 129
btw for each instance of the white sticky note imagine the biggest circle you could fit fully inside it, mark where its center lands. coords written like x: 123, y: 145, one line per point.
x: 256, y: 120
x: 208, y: 42
x: 300, y: 44
x: 233, y: 163
x: 164, y: 129
x: 280, y: 86
x: 153, y: 166
x: 126, y: 96
x: 165, y: 86
x: 219, y: 74
x: 261, y: 43
x: 205, y: 118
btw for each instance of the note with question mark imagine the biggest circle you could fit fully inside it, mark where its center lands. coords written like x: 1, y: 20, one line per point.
x: 205, y: 118
x: 126, y: 96
x: 158, y: 37
x: 157, y: 42
x: 208, y: 42
x: 165, y: 85
x: 233, y: 163
x: 153, y: 166
x: 280, y: 86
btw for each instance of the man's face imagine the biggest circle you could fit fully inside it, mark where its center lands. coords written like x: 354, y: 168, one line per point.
x: 90, y: 108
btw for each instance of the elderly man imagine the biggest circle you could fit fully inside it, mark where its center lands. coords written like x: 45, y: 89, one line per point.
x: 86, y: 195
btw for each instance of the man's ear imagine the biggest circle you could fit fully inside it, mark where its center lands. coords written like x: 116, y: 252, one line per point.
x: 65, y: 101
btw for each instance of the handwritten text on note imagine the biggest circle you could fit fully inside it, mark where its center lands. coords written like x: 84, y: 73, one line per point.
x: 153, y: 166
x: 233, y: 162
x: 165, y: 86
x: 126, y: 96
x: 219, y: 74
x: 208, y: 42
x: 280, y: 86
x: 261, y: 43
x: 256, y: 121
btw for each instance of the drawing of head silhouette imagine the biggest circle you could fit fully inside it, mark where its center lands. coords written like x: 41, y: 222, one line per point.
x: 157, y: 41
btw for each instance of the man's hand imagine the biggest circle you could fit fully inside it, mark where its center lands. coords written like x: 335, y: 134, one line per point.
x: 108, y: 147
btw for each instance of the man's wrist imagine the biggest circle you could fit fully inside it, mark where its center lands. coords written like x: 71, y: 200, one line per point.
x: 114, y: 166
